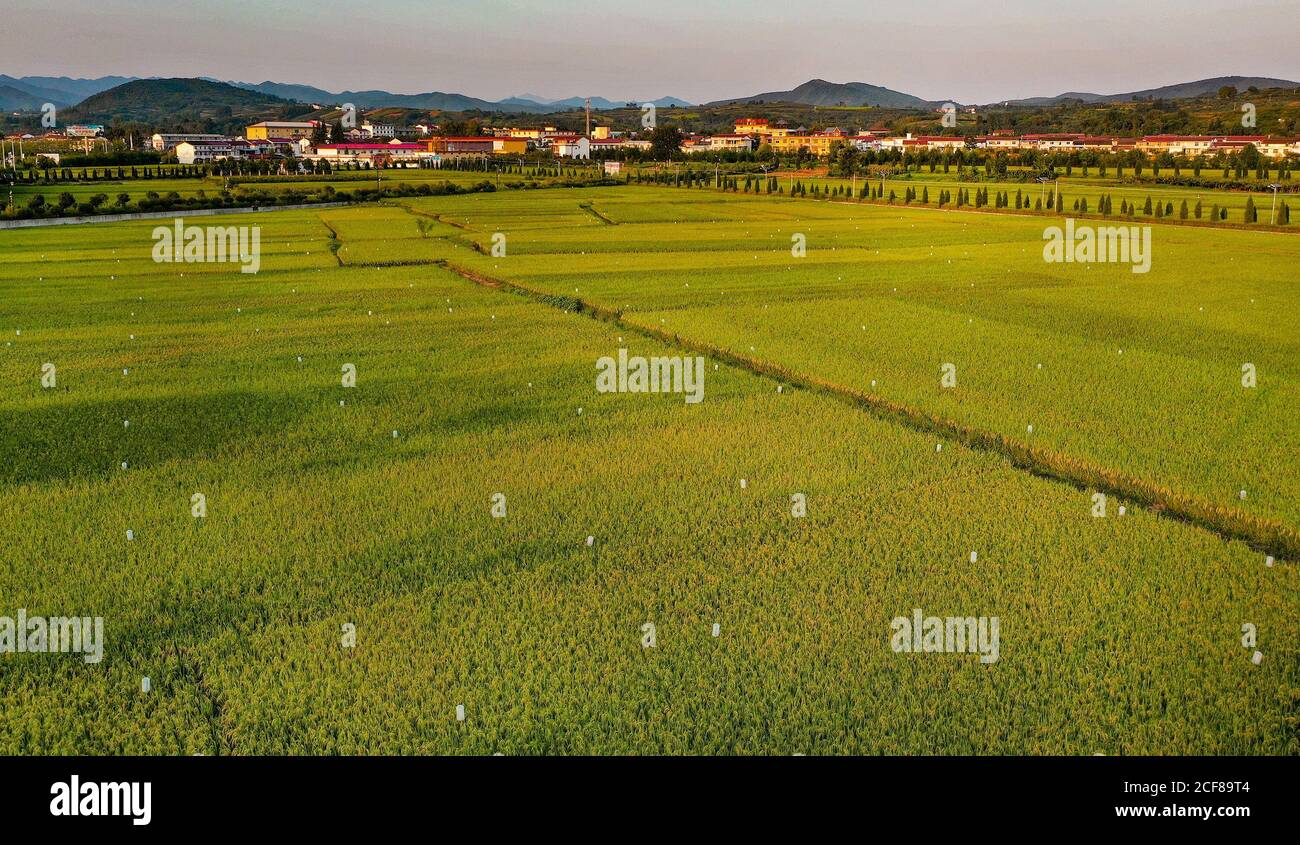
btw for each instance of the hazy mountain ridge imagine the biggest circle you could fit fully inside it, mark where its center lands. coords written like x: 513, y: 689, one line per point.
x: 63, y: 91
x: 29, y: 93
x: 1179, y: 91
x: 439, y: 100
x: 16, y: 99
x: 181, y: 102
x: 819, y: 92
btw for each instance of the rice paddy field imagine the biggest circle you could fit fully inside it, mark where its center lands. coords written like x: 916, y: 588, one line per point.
x: 460, y: 554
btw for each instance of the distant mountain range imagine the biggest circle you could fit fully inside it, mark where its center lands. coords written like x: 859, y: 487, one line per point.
x: 819, y: 92
x: 437, y: 99
x: 1181, y: 91
x: 367, y: 99
x: 178, y: 102
x: 63, y: 91
x: 16, y: 99
x: 29, y: 93
x: 596, y: 102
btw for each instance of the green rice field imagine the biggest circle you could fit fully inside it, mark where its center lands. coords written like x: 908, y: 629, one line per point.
x: 473, y: 525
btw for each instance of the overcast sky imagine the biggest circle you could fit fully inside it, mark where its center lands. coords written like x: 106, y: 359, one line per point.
x: 699, y: 50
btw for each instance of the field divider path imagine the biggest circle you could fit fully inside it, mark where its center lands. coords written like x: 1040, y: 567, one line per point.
x: 437, y: 218
x: 335, y: 242
x: 591, y: 209
x: 1264, y: 535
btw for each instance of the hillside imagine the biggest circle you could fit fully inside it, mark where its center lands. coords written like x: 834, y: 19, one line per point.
x: 63, y: 91
x: 190, y: 104
x: 15, y: 99
x: 819, y: 92
x: 1180, y: 91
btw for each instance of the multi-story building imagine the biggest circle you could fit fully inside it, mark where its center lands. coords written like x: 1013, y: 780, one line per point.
x: 451, y: 145
x: 731, y: 142
x: 1051, y: 141
x: 760, y: 128
x: 602, y: 145
x: 163, y: 142
x: 201, y: 152
x: 378, y: 130
x: 289, y: 129
x: 694, y: 144
x: 1000, y: 139
x: 390, y: 153
x: 866, y: 141
x: 533, y: 134
x: 1099, y: 143
x: 470, y: 144
x: 817, y: 143
x: 575, y: 146
x: 1188, y: 145
x: 935, y: 142
x: 1199, y: 145
x: 1279, y: 147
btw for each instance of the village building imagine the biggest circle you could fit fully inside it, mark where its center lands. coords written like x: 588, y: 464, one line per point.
x: 287, y: 129
x: 163, y: 142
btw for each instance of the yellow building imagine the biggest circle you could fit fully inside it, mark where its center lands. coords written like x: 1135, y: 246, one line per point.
x: 599, y: 133
x: 509, y: 146
x: 819, y: 144
x: 476, y: 144
x: 521, y: 132
x: 759, y: 127
x: 287, y: 129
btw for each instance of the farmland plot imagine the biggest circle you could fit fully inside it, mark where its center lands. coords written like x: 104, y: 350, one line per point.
x: 1139, y: 372
x: 371, y: 511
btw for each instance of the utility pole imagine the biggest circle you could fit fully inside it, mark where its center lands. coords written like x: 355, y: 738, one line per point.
x: 588, y: 117
x: 1275, y: 186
